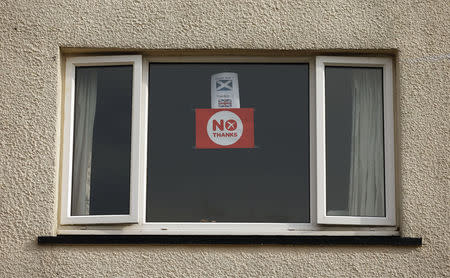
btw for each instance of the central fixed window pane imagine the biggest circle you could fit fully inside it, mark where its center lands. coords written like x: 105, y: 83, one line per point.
x: 268, y: 183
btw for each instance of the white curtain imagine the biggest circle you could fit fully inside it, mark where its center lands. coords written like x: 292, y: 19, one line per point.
x: 366, y: 190
x: 85, y: 104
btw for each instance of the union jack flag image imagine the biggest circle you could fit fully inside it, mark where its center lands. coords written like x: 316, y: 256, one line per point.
x: 225, y: 102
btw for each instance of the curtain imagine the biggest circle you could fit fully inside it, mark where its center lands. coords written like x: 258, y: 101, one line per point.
x: 85, y: 105
x: 366, y: 189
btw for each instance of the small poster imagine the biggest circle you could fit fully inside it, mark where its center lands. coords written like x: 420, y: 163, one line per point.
x: 225, y: 90
x: 224, y: 128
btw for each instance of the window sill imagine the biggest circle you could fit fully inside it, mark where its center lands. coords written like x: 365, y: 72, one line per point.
x: 216, y: 239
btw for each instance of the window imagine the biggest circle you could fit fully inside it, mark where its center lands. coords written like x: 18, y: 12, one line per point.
x: 266, y: 184
x: 355, y: 153
x: 227, y: 145
x: 101, y: 140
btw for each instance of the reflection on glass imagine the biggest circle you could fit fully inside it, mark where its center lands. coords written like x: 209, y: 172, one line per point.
x: 267, y: 184
x: 354, y: 141
x: 102, y: 141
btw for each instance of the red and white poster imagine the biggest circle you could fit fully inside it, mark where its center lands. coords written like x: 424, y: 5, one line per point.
x: 224, y: 128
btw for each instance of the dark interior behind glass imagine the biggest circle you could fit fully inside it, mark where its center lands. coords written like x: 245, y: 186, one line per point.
x: 339, y: 102
x: 269, y: 183
x: 111, y: 144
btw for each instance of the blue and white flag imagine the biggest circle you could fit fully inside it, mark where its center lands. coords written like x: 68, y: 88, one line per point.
x: 225, y: 90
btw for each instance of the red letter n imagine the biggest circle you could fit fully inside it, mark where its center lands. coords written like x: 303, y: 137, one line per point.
x: 216, y: 124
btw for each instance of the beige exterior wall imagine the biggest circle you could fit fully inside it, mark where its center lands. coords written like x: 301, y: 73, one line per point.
x: 34, y: 35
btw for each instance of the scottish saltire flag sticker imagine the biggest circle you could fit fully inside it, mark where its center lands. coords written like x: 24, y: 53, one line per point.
x: 224, y: 85
x: 225, y: 90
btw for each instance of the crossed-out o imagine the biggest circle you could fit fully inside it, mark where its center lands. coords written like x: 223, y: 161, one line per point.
x: 231, y: 125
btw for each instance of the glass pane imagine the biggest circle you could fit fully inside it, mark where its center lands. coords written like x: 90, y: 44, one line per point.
x: 354, y: 141
x: 269, y: 183
x: 102, y: 140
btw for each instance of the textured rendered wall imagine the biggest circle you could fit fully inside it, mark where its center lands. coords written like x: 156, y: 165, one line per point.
x: 32, y: 34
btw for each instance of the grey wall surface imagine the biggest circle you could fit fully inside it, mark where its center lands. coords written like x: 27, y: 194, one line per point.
x: 35, y: 35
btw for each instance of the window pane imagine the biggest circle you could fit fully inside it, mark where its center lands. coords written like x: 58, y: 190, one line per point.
x: 102, y: 140
x: 354, y: 141
x: 269, y: 183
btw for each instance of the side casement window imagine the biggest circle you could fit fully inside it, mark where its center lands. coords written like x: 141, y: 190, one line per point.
x: 235, y: 145
x: 101, y: 138
x: 355, y: 141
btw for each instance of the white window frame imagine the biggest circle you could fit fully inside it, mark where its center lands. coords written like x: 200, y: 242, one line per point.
x: 389, y: 166
x: 136, y: 133
x: 231, y: 228
x: 137, y: 218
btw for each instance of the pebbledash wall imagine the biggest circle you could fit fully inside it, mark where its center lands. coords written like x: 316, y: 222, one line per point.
x: 36, y: 35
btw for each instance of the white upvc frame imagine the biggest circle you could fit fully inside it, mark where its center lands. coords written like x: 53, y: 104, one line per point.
x: 74, y: 225
x: 386, y: 65
x: 136, y: 165
x: 191, y: 228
